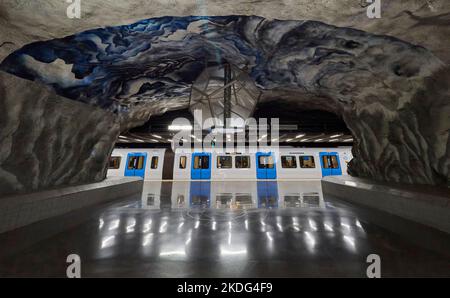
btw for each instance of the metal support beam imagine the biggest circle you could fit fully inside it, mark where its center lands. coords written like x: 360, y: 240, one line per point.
x: 227, y: 94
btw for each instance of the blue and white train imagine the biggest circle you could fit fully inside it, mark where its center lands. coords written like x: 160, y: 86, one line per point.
x: 285, y: 163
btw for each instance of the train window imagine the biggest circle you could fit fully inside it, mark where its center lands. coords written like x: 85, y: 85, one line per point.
x: 266, y: 162
x: 136, y: 163
x: 114, y: 162
x: 224, y: 162
x: 288, y: 162
x: 242, y: 162
x: 307, y: 162
x: 201, y: 162
x: 330, y: 162
x: 311, y: 199
x: 154, y: 163
x: 183, y: 160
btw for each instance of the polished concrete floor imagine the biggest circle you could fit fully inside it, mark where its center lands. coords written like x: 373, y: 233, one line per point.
x: 233, y: 229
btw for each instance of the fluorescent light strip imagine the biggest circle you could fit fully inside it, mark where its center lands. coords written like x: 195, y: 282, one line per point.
x: 180, y: 127
x: 335, y: 136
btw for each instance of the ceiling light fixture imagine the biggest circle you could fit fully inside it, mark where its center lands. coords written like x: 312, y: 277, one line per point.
x: 180, y: 127
x: 335, y: 136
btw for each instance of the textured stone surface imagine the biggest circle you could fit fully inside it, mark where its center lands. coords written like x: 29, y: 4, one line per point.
x: 424, y: 22
x: 47, y: 140
x: 393, y: 95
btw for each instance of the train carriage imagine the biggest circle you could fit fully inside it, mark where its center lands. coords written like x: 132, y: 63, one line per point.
x: 284, y: 163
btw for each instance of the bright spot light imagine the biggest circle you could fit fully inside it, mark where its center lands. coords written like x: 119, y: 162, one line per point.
x: 349, y: 240
x: 114, y: 224
x: 310, y: 239
x: 163, y: 227
x: 147, y: 239
x: 147, y: 226
x: 108, y: 241
x: 312, y: 224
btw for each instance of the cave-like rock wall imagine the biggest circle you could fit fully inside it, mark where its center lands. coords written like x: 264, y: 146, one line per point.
x: 393, y: 95
x: 47, y: 141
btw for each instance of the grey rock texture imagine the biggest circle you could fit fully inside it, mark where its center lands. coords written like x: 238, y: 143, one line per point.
x: 424, y: 22
x: 48, y: 141
x: 393, y: 95
x: 408, y: 143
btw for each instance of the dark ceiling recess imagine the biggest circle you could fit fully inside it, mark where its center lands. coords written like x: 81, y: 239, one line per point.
x: 308, y: 121
x: 305, y: 128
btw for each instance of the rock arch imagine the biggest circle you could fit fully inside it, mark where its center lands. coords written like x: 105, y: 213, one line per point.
x: 393, y: 95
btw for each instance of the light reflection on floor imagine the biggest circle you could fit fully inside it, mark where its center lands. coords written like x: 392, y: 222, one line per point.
x: 208, y: 229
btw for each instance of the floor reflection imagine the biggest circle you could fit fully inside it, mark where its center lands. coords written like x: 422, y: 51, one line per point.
x: 233, y: 229
x: 232, y: 195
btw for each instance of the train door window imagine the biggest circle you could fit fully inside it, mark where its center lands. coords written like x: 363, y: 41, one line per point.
x: 266, y: 162
x: 334, y: 162
x: 114, y: 162
x: 131, y: 162
x: 201, y: 162
x: 307, y: 162
x: 242, y: 162
x: 197, y: 162
x: 288, y: 162
x: 224, y: 162
x: 140, y: 163
x: 330, y: 162
x: 136, y: 162
x: 183, y: 160
x: 154, y: 163
x: 326, y: 164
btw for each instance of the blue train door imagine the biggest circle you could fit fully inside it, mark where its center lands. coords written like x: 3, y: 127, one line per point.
x: 330, y: 164
x: 200, y: 194
x: 201, y: 166
x: 136, y: 164
x: 267, y: 194
x: 266, y: 166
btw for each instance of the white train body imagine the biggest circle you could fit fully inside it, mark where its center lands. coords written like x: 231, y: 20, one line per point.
x: 284, y: 164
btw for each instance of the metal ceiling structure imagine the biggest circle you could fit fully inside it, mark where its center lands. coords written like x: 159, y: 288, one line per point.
x: 224, y: 93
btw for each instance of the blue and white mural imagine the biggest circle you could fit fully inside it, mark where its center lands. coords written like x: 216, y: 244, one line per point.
x: 159, y: 58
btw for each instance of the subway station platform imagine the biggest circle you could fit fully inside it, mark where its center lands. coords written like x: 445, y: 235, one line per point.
x: 225, y: 229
